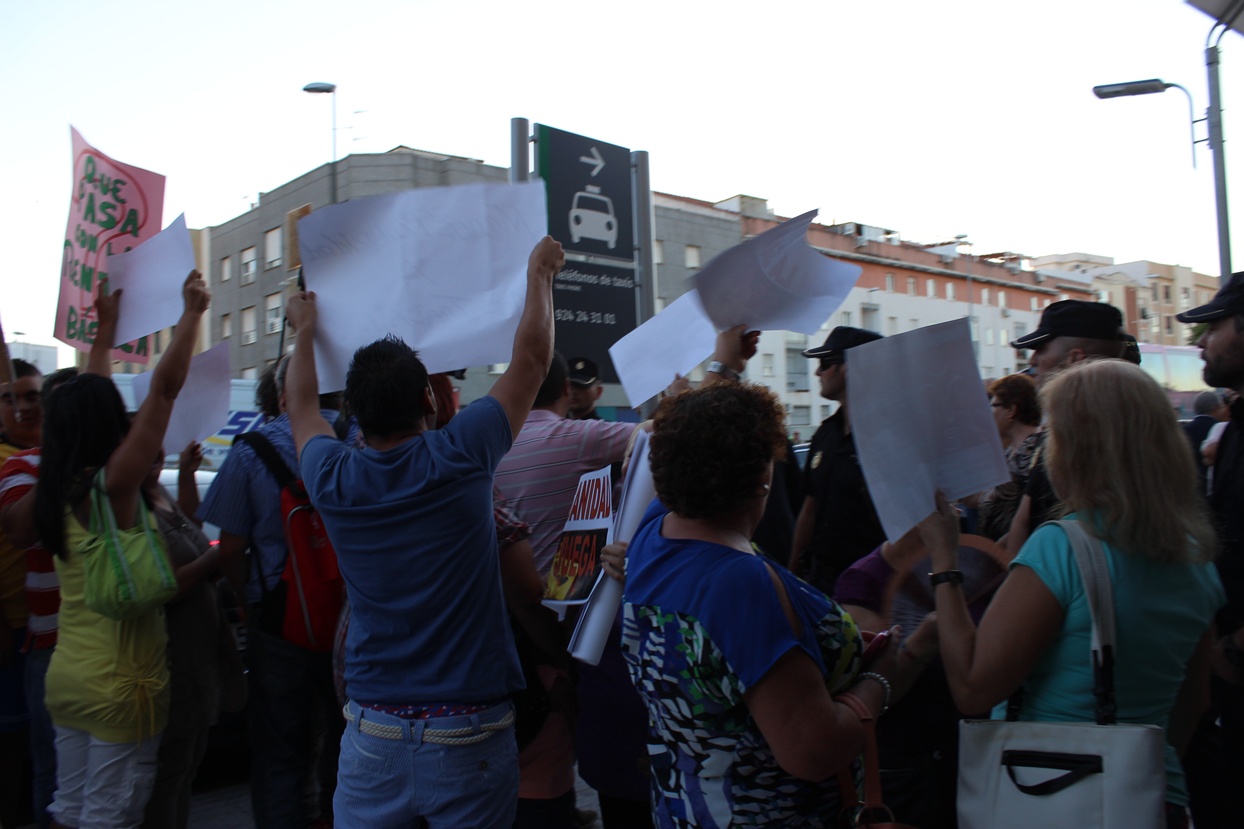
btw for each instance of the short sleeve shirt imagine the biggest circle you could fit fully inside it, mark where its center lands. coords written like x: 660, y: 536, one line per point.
x: 416, y: 540
x: 702, y: 624
x: 1161, y: 612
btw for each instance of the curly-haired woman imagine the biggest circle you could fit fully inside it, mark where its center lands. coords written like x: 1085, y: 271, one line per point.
x: 734, y: 657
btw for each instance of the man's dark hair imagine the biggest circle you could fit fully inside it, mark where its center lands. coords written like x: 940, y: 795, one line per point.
x: 385, y: 387
x: 21, y: 369
x: 267, y: 397
x: 554, y: 385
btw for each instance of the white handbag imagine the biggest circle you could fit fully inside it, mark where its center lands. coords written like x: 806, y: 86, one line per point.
x: 1045, y: 775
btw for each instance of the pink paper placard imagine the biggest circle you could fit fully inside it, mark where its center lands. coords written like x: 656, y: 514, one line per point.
x: 113, y: 208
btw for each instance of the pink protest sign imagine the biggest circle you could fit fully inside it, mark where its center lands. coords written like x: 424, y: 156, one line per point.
x: 113, y: 208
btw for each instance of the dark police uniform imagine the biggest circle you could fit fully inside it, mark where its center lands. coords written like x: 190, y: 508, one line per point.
x: 846, y: 526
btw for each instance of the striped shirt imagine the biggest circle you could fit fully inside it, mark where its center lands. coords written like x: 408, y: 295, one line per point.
x: 539, y: 475
x: 17, y: 477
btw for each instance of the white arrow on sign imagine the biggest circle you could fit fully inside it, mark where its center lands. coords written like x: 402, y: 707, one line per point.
x: 594, y: 159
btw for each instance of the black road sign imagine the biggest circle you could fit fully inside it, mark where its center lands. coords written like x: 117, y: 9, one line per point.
x: 594, y: 307
x: 589, y: 188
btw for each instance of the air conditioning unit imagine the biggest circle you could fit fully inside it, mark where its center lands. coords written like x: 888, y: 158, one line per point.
x: 249, y: 337
x: 1006, y: 312
x: 862, y: 241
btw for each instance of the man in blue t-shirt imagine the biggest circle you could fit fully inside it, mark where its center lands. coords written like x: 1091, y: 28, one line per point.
x: 430, y: 660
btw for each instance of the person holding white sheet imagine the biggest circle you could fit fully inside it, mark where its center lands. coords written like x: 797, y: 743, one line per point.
x: 837, y: 523
x: 430, y: 661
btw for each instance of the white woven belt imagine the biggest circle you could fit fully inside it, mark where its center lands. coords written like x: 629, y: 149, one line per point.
x: 445, y: 736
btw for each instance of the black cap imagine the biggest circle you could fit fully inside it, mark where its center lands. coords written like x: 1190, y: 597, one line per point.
x: 1076, y: 318
x: 583, y: 372
x: 840, y: 339
x: 1228, y: 302
x: 1131, y: 349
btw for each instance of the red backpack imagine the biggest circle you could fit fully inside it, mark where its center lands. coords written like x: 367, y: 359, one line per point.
x: 304, y: 607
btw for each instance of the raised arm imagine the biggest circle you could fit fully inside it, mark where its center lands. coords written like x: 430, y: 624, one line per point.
x: 302, y: 399
x: 107, y: 308
x: 516, y: 389
x: 129, y: 464
x: 735, y: 346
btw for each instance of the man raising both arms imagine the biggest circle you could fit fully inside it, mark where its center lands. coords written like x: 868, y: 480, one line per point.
x: 430, y: 660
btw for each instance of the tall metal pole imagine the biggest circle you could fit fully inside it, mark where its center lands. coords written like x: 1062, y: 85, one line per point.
x: 645, y: 267
x: 520, y: 150
x: 1214, y: 116
x: 333, y: 171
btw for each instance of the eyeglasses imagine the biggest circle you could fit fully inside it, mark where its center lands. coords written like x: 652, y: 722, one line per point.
x: 826, y: 362
x: 30, y: 398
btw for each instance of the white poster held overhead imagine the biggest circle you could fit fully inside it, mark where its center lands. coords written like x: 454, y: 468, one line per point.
x: 921, y: 421
x: 673, y: 342
x: 202, y: 407
x: 151, y: 276
x: 775, y: 282
x: 444, y: 268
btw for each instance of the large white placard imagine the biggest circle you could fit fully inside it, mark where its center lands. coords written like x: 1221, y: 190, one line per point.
x: 151, y: 276
x: 775, y: 282
x: 444, y: 268
x: 921, y: 422
x: 673, y: 342
x: 202, y: 407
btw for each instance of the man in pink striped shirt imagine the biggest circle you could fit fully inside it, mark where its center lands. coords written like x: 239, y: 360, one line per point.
x: 539, y: 475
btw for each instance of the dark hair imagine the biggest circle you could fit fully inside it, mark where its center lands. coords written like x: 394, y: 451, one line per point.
x: 385, y: 387
x: 1019, y: 391
x: 57, y: 379
x: 83, y: 424
x: 554, y: 385
x: 267, y: 397
x: 710, y: 447
x: 21, y: 369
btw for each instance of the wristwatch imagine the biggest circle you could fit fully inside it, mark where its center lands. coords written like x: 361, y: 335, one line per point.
x: 718, y: 367
x: 945, y: 577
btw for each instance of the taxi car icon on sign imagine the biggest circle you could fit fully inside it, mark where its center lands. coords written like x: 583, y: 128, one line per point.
x: 591, y: 217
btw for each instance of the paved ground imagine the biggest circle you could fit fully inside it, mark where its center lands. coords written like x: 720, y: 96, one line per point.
x: 229, y: 807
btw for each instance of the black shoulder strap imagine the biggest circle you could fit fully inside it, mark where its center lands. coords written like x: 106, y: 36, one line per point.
x: 270, y: 457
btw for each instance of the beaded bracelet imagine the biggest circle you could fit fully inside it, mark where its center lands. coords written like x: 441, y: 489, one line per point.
x: 883, y: 682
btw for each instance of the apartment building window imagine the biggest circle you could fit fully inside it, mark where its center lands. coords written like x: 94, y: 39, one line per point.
x: 930, y: 288
x: 911, y: 286
x: 950, y: 291
x: 1170, y: 327
x: 891, y: 326
x: 889, y: 282
x: 248, y: 266
x: 248, y: 326
x: 845, y: 316
x: 800, y: 416
x: 913, y: 324
x: 658, y: 252
x: 250, y: 373
x: 692, y: 256
x: 1153, y: 289
x: 272, y: 313
x: 1032, y: 303
x: 988, y: 336
x: 767, y: 369
x: 1185, y: 298
x: 984, y: 296
x: 157, y: 341
x: 796, y: 370
x: 1166, y: 293
x: 226, y: 326
x: 272, y: 248
x: 226, y: 269
x: 1001, y: 299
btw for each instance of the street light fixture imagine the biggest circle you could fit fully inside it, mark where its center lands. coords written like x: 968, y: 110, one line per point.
x: 1213, y: 116
x: 321, y: 88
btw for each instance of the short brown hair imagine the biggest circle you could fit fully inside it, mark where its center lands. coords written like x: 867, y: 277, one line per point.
x: 1019, y: 391
x: 710, y: 447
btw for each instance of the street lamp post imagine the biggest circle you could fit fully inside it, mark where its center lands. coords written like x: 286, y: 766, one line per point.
x: 961, y: 239
x: 1213, y: 117
x: 320, y: 88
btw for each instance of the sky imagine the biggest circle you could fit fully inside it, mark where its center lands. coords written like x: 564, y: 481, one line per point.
x: 933, y: 119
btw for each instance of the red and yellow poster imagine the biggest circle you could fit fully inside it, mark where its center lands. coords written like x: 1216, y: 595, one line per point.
x: 576, y: 565
x: 113, y: 208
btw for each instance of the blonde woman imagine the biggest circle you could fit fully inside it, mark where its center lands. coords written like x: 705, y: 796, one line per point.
x: 1120, y: 465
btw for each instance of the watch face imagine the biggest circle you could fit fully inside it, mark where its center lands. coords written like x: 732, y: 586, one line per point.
x: 816, y: 459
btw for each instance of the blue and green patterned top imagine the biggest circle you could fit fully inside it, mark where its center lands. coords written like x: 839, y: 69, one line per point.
x: 702, y: 624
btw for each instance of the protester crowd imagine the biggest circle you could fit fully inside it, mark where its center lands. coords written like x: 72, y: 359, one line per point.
x: 390, y: 554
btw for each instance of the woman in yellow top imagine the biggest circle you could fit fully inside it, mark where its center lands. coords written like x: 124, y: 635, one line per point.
x: 107, y: 686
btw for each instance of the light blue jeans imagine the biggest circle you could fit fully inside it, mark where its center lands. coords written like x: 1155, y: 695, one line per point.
x: 399, y: 780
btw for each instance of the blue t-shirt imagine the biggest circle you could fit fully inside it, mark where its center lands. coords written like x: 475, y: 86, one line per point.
x: 417, y: 544
x: 1161, y: 613
x: 702, y: 624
